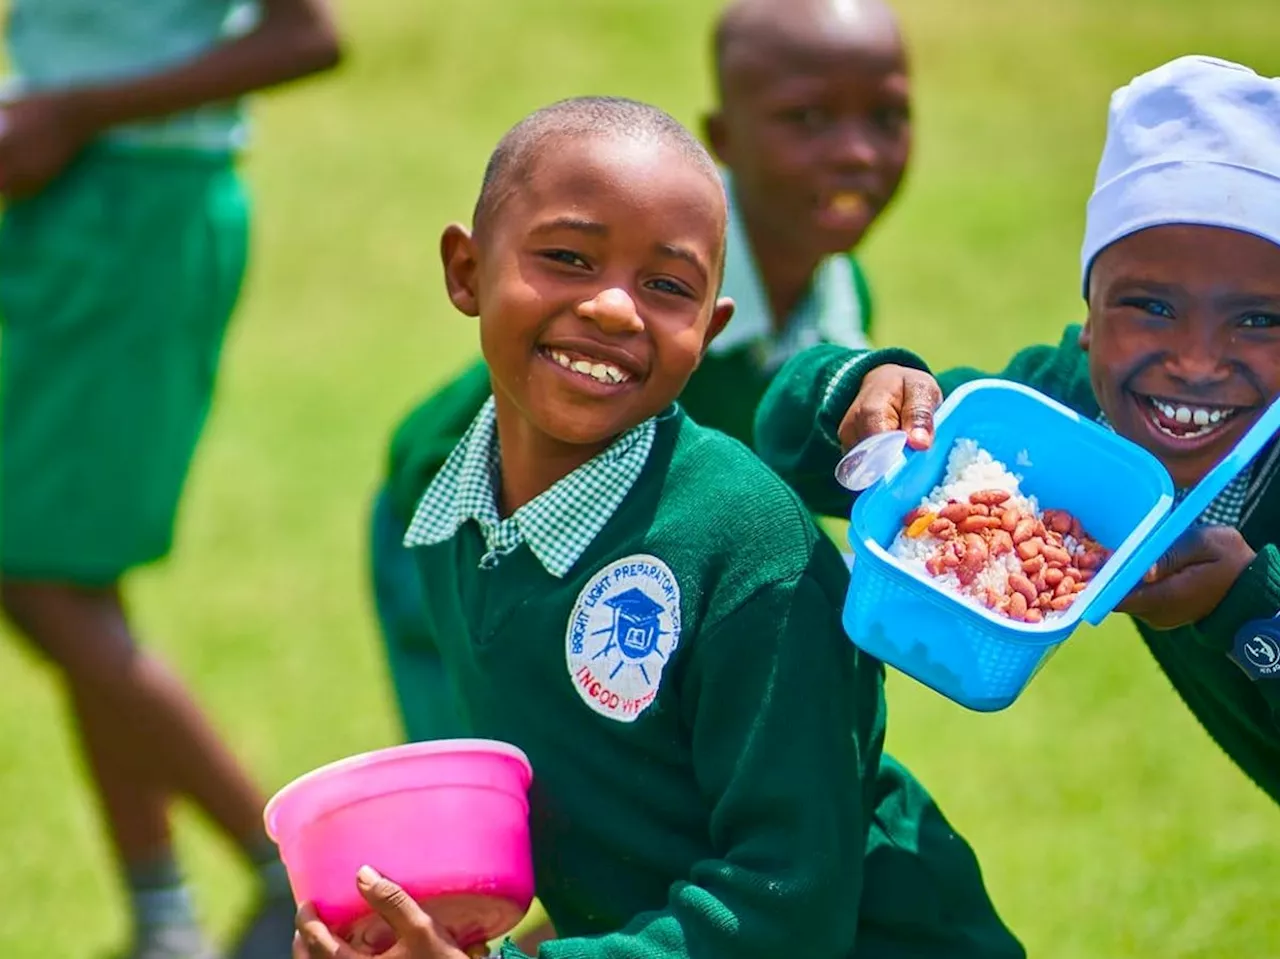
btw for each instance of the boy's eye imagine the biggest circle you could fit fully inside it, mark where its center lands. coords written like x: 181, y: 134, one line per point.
x: 810, y: 118
x: 892, y: 119
x: 665, y: 285
x: 1149, y: 305
x: 1260, y: 321
x: 565, y: 256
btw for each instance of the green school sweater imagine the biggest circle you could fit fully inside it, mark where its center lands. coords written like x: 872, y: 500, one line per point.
x: 726, y: 815
x: 1242, y: 715
x: 717, y: 791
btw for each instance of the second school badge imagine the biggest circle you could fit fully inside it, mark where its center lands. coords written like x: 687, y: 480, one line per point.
x: 623, y: 629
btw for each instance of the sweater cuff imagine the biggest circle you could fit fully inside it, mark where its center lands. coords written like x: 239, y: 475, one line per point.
x: 1254, y: 595
x: 843, y: 387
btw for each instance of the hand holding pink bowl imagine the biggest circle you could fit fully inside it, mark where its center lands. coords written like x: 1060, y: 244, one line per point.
x: 447, y: 820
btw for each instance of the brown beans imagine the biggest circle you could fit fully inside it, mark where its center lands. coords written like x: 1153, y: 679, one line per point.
x: 1058, y: 520
x: 956, y: 512
x: 1055, y: 555
x: 1023, y: 532
x: 1033, y: 616
x: 942, y: 528
x: 1033, y: 565
x: 1009, y: 520
x: 1052, y: 577
x: 989, y: 497
x: 973, y: 524
x: 1091, y: 559
x: 1001, y: 542
x: 1022, y: 586
x: 1059, y: 603
x: 1066, y: 587
x: 1017, y: 606
x: 1030, y: 547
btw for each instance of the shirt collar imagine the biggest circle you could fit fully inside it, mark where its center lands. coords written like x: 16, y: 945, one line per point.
x: 830, y: 312
x: 558, y: 525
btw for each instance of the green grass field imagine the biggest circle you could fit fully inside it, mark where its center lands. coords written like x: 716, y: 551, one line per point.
x: 1108, y: 824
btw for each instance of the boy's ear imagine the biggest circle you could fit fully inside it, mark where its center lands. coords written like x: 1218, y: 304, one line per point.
x: 721, y: 314
x: 458, y: 253
x: 1086, y: 333
x: 716, y: 136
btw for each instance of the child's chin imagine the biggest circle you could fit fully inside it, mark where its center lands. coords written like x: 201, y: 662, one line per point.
x: 584, y: 431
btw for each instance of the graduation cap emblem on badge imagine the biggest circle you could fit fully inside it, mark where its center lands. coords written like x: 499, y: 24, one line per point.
x: 635, y: 623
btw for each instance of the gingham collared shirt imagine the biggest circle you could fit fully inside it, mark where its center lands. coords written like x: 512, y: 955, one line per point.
x: 557, y: 525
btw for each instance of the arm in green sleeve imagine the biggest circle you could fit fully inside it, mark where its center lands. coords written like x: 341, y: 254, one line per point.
x: 1255, y: 595
x: 798, y: 419
x: 783, y: 716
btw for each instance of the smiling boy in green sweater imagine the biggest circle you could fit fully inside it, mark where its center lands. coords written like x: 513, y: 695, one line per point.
x: 642, y: 607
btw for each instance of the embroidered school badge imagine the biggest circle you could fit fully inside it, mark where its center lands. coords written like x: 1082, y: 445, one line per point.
x: 622, y: 632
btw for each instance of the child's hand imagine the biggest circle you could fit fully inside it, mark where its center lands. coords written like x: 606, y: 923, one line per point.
x: 39, y: 136
x: 416, y: 935
x: 1191, y: 579
x: 892, y: 398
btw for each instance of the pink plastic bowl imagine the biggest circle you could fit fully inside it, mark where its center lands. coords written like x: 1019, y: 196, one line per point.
x: 447, y: 820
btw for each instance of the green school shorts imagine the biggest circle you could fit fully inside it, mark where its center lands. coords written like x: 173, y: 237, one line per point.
x: 116, y: 286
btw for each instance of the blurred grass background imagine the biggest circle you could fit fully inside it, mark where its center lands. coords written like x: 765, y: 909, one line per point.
x: 1108, y: 824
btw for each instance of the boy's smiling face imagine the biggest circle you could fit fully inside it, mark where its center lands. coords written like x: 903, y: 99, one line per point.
x: 595, y: 280
x: 1183, y: 338
x: 817, y: 133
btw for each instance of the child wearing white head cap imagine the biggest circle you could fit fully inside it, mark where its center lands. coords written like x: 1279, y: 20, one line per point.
x: 1180, y: 353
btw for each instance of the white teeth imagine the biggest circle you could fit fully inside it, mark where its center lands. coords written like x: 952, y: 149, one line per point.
x: 1202, y: 416
x: 600, y: 372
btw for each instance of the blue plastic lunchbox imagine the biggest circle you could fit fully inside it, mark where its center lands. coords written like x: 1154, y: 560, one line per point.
x: 1121, y: 493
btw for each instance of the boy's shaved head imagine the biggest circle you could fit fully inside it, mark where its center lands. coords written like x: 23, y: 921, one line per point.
x: 749, y: 27
x: 580, y: 117
x: 814, y: 122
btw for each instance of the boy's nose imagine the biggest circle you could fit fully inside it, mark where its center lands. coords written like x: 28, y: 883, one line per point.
x: 1199, y: 364
x: 613, y: 311
x: 852, y: 146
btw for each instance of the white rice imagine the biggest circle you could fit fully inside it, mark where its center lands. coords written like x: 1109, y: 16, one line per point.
x: 970, y: 469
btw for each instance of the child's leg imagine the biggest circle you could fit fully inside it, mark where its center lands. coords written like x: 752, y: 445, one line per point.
x: 144, y: 736
x: 144, y: 740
